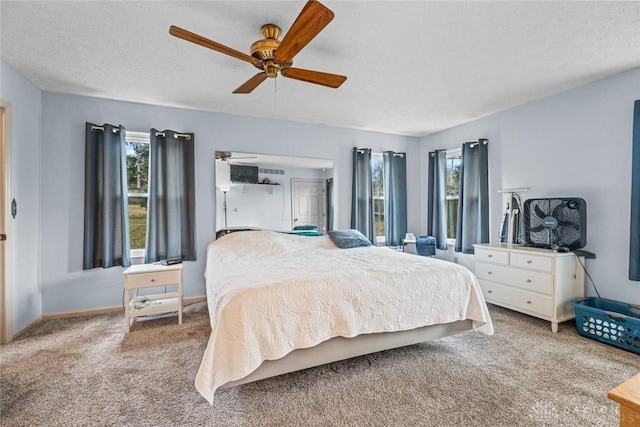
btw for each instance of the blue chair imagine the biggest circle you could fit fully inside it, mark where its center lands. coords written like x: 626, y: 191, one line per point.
x: 426, y: 245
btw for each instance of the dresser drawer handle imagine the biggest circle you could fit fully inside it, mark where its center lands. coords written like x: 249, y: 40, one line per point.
x: 529, y: 261
x: 153, y: 280
x: 489, y: 256
x: 489, y: 292
x: 528, y: 302
x: 488, y: 272
x: 528, y: 280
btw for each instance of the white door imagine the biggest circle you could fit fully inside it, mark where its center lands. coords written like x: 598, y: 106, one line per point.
x: 307, y: 201
x: 5, y: 285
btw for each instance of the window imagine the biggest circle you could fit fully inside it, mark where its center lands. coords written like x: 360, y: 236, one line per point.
x: 453, y: 191
x: 138, y: 184
x: 377, y: 176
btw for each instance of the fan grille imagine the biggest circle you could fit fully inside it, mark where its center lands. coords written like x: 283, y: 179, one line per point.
x: 560, y: 222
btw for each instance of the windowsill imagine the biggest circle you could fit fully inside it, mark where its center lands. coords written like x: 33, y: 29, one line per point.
x: 137, y: 253
x: 451, y: 242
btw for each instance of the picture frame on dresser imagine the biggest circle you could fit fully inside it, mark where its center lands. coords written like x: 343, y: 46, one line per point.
x: 534, y: 281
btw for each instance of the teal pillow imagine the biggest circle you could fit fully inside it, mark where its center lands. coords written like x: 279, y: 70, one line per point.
x: 345, y: 239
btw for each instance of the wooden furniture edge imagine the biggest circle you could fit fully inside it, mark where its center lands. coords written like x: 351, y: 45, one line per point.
x: 627, y: 393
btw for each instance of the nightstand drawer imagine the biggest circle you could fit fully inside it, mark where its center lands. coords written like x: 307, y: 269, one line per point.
x: 535, y: 262
x: 525, y: 279
x: 490, y: 255
x: 160, y: 278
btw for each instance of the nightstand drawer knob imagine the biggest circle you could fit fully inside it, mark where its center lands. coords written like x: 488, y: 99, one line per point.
x: 528, y: 302
x: 488, y: 272
x: 529, y: 261
x: 489, y: 292
x: 528, y: 280
x: 490, y: 256
x: 153, y: 280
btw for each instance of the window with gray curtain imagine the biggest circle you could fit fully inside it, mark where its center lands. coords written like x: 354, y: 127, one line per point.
x: 437, y: 198
x: 171, y: 210
x: 106, y: 224
x: 473, y: 204
x: 362, y: 194
x: 634, y: 249
x: 395, y: 197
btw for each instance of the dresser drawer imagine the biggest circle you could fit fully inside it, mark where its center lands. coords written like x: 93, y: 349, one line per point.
x: 525, y: 279
x: 491, y: 255
x: 517, y: 299
x: 535, y: 262
x: 161, y: 278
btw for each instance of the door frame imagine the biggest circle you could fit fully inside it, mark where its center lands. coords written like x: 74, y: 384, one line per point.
x: 6, y: 305
x: 324, y: 200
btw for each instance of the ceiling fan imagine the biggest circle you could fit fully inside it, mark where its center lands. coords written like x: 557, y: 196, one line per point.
x: 273, y: 56
x: 226, y: 156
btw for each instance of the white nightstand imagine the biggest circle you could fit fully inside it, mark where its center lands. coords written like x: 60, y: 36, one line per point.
x: 151, y: 276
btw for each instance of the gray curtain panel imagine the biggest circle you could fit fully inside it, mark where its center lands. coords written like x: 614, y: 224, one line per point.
x: 473, y: 205
x: 330, y: 204
x: 395, y: 197
x: 437, y: 198
x: 362, y: 194
x: 106, y: 221
x: 171, y: 209
x: 634, y: 249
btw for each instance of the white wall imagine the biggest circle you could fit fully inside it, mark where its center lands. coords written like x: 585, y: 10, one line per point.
x: 577, y: 143
x: 65, y: 287
x: 23, y: 235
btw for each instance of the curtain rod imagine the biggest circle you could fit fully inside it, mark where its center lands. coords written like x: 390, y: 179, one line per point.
x: 480, y: 141
x: 115, y: 129
x: 175, y: 135
x: 94, y: 127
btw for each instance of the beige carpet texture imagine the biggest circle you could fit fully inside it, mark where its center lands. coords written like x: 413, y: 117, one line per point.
x: 85, y: 371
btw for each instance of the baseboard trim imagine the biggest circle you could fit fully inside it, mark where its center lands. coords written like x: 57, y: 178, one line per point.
x: 103, y: 310
x: 26, y: 327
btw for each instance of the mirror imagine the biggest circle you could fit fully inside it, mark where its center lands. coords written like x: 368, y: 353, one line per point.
x: 273, y: 192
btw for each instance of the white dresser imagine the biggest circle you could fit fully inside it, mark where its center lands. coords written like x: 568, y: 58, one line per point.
x: 538, y: 282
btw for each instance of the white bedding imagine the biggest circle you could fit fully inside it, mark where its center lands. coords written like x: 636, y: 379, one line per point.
x: 271, y: 293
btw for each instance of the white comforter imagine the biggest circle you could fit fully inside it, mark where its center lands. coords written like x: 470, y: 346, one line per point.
x: 270, y: 293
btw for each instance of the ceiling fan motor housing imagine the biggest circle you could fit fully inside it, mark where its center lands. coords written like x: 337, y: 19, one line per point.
x: 264, y: 50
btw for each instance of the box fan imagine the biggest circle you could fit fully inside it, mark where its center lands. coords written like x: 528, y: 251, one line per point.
x: 556, y: 223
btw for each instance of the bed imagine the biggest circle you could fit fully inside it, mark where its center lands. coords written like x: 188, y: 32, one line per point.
x: 284, y: 302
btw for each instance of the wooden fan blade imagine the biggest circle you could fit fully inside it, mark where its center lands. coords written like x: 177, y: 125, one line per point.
x: 252, y: 83
x: 317, y: 77
x: 311, y: 20
x: 202, y: 41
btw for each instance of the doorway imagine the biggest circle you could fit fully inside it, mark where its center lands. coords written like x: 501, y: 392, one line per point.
x: 6, y: 317
x: 308, y: 203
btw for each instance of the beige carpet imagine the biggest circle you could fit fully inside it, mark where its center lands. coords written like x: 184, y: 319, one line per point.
x: 86, y: 371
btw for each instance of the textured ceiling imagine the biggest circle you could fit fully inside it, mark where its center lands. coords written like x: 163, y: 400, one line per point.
x: 413, y: 67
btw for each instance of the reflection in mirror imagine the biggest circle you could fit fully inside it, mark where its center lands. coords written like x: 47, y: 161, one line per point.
x: 273, y: 192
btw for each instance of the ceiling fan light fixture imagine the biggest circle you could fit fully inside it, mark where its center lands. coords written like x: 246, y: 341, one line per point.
x: 271, y: 68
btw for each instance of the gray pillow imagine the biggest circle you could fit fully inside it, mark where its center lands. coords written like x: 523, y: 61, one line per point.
x: 345, y: 239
